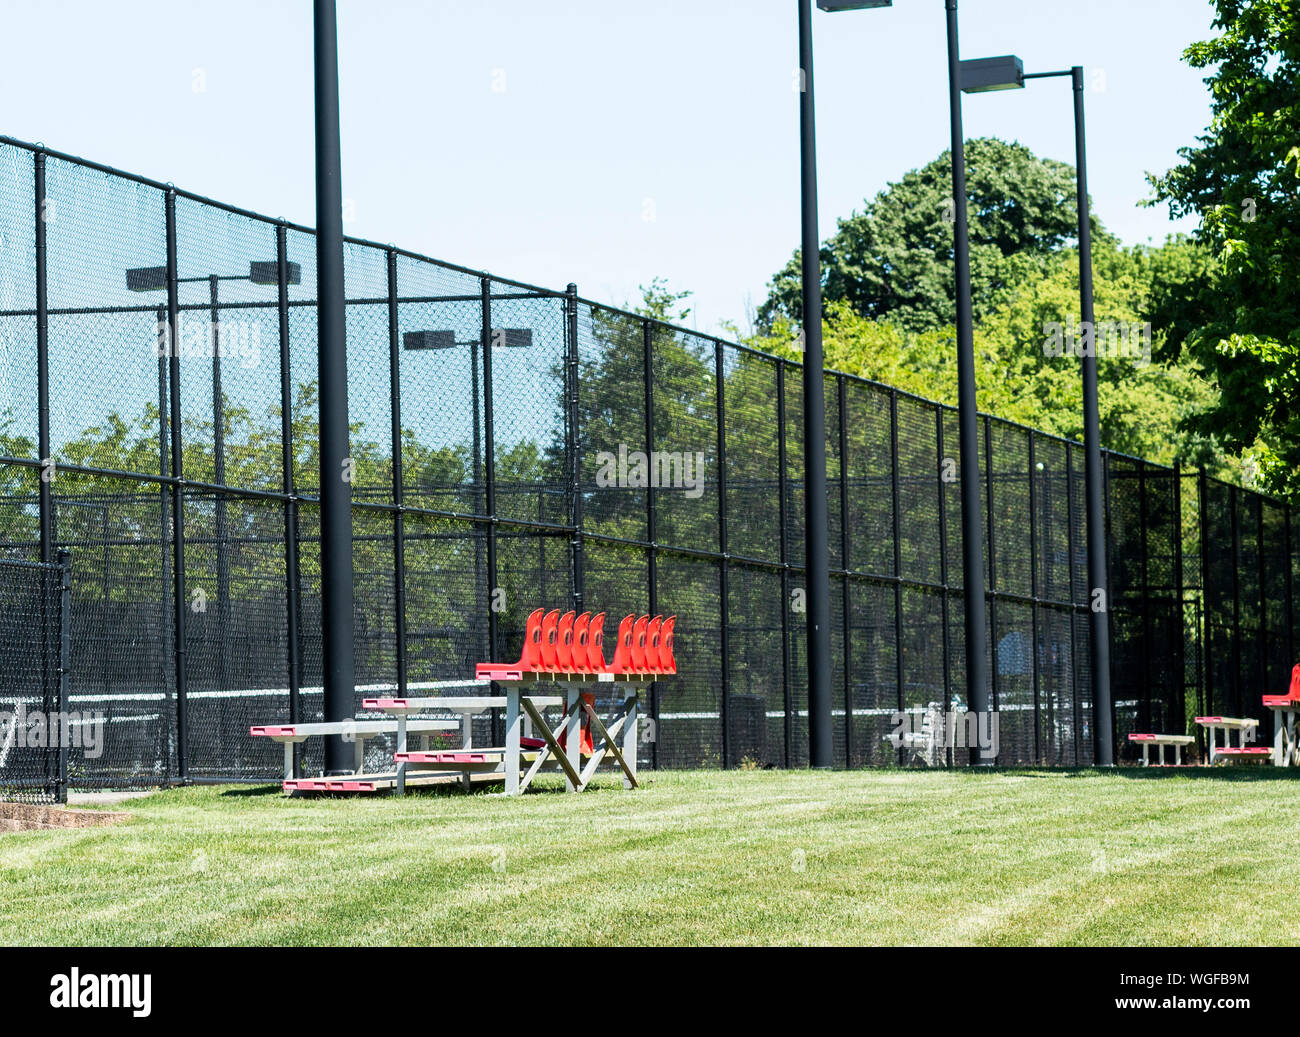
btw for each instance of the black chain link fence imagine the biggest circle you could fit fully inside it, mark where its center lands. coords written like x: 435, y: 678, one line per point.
x: 514, y: 447
x: 43, y: 737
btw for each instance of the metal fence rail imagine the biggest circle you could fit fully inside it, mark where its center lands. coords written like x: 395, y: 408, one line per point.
x: 514, y: 446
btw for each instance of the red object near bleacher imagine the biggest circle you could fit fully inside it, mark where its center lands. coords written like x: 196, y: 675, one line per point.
x: 570, y: 644
x: 1292, y: 695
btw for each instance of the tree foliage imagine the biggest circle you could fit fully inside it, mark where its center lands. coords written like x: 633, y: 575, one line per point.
x: 1241, y: 180
x: 894, y: 258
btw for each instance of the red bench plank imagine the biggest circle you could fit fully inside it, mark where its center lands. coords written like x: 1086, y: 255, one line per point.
x: 329, y: 785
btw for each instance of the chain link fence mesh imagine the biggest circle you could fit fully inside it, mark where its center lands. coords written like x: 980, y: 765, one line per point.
x: 513, y: 448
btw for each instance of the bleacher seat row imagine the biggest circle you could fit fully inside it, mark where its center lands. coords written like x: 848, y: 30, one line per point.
x: 572, y: 644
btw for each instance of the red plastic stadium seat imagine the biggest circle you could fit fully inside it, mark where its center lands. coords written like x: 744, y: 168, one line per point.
x: 667, y: 661
x: 574, y: 644
x: 652, y: 634
x: 550, y: 627
x: 1292, y: 695
x: 530, y: 657
x: 578, y: 652
x: 564, y: 644
x: 623, y: 651
x: 638, y: 645
x: 596, y: 643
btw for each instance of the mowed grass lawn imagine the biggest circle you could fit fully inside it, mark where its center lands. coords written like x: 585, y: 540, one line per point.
x: 741, y: 857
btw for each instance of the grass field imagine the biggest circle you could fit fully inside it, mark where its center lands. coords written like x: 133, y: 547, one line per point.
x: 741, y: 857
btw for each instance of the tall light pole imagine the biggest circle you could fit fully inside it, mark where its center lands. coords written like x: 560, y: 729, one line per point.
x: 972, y: 527
x: 338, y: 661
x: 816, y: 529
x: 1007, y: 73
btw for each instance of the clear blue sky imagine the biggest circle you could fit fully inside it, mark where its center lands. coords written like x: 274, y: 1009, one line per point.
x: 533, y: 137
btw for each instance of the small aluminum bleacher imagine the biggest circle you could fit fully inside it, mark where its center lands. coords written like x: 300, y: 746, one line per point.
x: 1161, y: 740
x: 359, y: 731
x: 1245, y: 728
x: 566, y: 651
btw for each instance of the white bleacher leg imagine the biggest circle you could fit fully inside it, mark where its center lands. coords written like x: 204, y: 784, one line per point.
x: 467, y: 742
x: 400, y: 788
x: 288, y: 761
x: 1178, y: 755
x: 512, y: 740
x: 359, y: 755
x: 573, y: 735
x: 630, y: 745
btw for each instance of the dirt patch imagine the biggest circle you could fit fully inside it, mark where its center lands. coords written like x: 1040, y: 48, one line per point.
x: 26, y: 817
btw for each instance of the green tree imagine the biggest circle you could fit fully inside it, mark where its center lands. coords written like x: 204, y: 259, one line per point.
x: 1241, y: 180
x: 894, y: 258
x: 1149, y: 396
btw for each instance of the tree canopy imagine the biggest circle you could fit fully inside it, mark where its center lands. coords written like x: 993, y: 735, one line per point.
x: 1241, y: 180
x: 894, y: 258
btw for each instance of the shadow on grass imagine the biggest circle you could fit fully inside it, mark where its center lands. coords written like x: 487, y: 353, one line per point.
x: 1250, y: 772
x: 251, y: 791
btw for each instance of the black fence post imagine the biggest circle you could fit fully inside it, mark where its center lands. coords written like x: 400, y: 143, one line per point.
x: 1181, y: 619
x: 490, y: 471
x: 1290, y: 600
x: 292, y: 585
x: 943, y: 566
x: 993, y: 571
x: 574, y: 445
x: 787, y: 702
x: 1234, y: 499
x: 178, y: 492
x: 897, y: 530
x: 65, y: 661
x: 219, y: 477
x: 1072, y: 517
x: 43, y: 365
x: 44, y: 473
x: 651, y: 518
x: 495, y: 648
x: 846, y: 544
x: 164, y: 500
x: 1203, y: 490
x: 1034, y: 590
x: 1143, y: 539
x: 399, y: 476
x: 1104, y: 719
x: 724, y: 575
x: 1261, y: 641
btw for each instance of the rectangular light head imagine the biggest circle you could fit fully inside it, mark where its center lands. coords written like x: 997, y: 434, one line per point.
x: 981, y: 75
x: 147, y: 279
x: 852, y: 5
x: 512, y: 338
x: 429, y: 340
x: 268, y: 272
